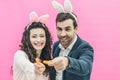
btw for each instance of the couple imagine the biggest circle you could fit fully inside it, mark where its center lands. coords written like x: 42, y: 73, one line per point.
x: 72, y: 56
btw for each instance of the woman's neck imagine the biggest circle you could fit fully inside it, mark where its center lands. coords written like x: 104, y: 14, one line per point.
x: 38, y: 53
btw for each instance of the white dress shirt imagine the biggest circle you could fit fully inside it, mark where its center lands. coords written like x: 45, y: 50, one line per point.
x: 64, y: 52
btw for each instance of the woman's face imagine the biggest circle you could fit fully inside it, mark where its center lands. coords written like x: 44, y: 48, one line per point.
x: 38, y: 38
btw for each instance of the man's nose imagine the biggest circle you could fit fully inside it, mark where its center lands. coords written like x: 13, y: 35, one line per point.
x: 63, y: 33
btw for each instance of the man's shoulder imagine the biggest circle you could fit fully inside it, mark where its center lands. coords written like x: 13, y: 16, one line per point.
x: 55, y: 44
x: 82, y: 41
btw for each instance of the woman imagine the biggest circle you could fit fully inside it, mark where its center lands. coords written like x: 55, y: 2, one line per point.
x: 36, y: 43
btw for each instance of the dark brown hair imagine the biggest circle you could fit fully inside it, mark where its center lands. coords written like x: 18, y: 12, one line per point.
x: 64, y: 16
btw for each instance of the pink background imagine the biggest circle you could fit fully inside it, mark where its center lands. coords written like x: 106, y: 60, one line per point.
x: 99, y: 24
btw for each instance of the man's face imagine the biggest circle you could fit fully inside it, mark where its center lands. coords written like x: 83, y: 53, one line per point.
x: 66, y: 32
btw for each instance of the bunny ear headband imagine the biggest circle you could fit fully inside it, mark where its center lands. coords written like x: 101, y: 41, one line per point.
x: 67, y: 6
x: 34, y: 18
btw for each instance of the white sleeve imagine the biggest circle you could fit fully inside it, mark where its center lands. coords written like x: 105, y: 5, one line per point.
x: 22, y: 61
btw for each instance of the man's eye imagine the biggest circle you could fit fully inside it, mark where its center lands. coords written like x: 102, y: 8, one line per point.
x: 59, y: 29
x: 67, y: 29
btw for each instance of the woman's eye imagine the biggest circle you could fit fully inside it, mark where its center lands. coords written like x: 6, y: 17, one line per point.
x: 33, y: 36
x: 41, y: 36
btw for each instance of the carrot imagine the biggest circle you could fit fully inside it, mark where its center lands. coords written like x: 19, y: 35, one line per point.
x: 46, y: 62
x: 37, y: 61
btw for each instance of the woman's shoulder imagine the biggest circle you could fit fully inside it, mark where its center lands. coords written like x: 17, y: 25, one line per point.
x: 20, y: 52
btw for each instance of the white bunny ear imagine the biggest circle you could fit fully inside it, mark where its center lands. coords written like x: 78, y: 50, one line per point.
x: 43, y: 18
x: 57, y: 6
x: 33, y: 16
x: 68, y: 6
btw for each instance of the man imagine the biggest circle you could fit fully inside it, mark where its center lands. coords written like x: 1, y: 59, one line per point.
x: 73, y: 57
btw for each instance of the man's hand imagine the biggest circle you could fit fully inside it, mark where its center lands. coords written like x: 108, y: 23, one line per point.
x: 59, y: 63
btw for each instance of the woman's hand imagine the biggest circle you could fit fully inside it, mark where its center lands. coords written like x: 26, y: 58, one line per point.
x: 39, y: 68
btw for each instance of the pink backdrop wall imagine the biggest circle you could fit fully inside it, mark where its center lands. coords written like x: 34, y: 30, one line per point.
x: 99, y: 24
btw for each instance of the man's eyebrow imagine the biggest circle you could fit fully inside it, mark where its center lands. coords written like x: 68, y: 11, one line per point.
x: 58, y: 27
x: 65, y: 27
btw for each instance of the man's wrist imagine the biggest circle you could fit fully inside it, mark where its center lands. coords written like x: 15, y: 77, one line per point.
x: 67, y: 62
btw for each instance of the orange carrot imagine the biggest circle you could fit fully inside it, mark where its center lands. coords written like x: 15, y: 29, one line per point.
x: 37, y: 61
x: 46, y: 62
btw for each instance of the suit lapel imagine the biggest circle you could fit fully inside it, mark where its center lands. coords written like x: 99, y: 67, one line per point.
x: 56, y: 52
x: 77, y: 43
